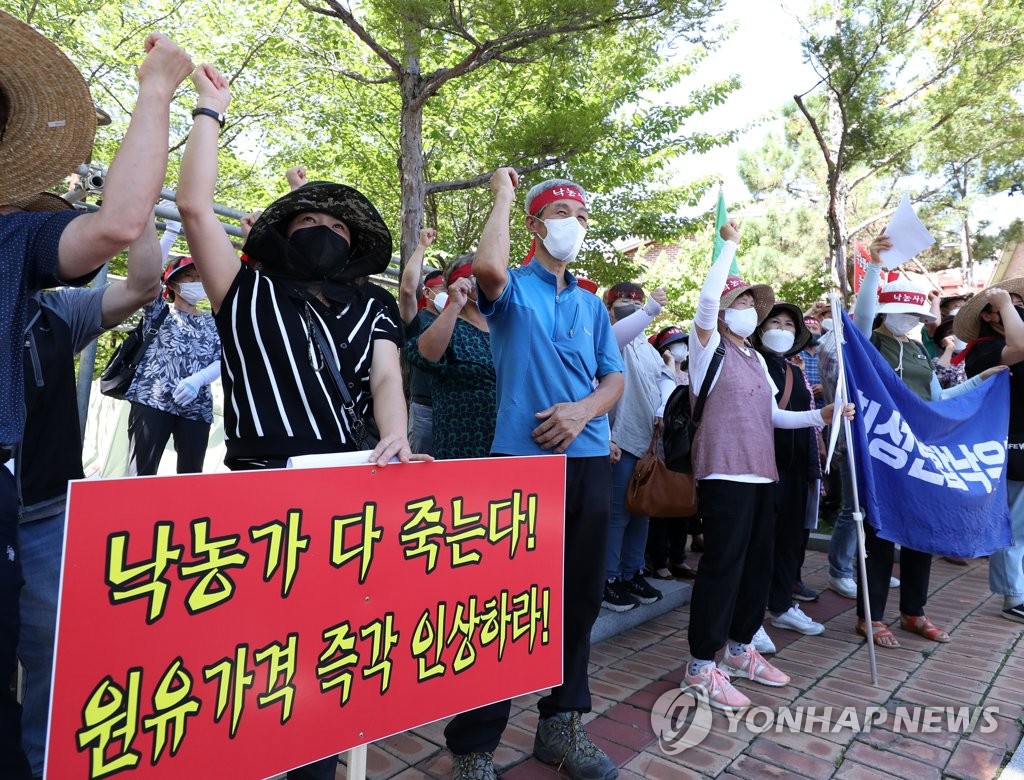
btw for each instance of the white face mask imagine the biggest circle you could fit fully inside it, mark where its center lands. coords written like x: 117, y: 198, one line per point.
x: 564, y: 238
x: 826, y: 325
x: 440, y: 301
x: 901, y: 324
x: 958, y: 345
x: 679, y: 351
x: 952, y: 312
x: 191, y: 292
x: 742, y: 322
x: 778, y: 340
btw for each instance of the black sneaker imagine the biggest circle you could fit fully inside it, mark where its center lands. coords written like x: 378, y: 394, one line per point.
x: 617, y: 597
x: 1015, y: 613
x: 802, y: 593
x: 473, y: 766
x: 561, y: 740
x: 642, y: 590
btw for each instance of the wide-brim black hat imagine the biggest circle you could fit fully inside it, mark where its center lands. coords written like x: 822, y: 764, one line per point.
x: 371, y: 245
x: 803, y: 333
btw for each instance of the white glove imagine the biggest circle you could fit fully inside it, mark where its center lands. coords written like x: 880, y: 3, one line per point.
x: 189, y: 387
x: 187, y: 390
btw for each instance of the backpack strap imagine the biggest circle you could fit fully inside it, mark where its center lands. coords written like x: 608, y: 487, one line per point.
x: 705, y: 388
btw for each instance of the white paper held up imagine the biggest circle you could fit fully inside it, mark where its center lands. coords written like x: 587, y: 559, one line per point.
x: 908, y: 234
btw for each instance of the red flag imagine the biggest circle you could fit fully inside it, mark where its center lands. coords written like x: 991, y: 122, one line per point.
x: 860, y: 268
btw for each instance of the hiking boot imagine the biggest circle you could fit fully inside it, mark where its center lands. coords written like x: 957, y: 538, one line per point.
x: 561, y: 740
x: 617, y: 597
x: 642, y: 590
x: 473, y: 766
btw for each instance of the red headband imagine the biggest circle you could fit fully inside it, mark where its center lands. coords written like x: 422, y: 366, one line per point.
x: 434, y: 281
x: 462, y: 272
x: 623, y: 295
x: 808, y: 320
x: 546, y: 198
x: 732, y: 283
x: 902, y: 296
x: 561, y: 192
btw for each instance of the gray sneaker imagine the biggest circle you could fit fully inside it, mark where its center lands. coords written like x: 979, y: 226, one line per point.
x: 561, y: 740
x: 473, y: 766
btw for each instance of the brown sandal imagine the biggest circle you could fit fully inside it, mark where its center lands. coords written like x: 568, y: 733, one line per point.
x: 883, y: 637
x: 922, y: 626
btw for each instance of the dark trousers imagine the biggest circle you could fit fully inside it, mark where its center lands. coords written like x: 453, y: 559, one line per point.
x: 731, y: 589
x: 150, y: 429
x: 587, y: 508
x: 790, y: 538
x: 915, y: 569
x: 666, y: 540
x: 13, y: 764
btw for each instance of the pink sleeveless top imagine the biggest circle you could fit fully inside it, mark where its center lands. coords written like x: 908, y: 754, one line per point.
x: 736, y: 435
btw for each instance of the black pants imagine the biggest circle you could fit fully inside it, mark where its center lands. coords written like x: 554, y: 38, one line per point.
x: 790, y: 538
x: 587, y: 507
x: 731, y: 589
x: 150, y: 429
x: 13, y: 764
x: 915, y: 570
x: 666, y: 540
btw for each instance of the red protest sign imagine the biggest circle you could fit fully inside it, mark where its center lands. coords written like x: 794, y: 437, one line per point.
x: 271, y: 618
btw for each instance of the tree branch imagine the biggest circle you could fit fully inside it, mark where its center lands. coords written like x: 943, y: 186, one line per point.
x: 817, y: 132
x: 483, y: 178
x: 339, y: 11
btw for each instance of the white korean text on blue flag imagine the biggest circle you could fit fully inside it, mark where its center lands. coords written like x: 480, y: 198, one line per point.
x: 932, y: 475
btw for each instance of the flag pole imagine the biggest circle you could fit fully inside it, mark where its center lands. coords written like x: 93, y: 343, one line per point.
x: 858, y: 515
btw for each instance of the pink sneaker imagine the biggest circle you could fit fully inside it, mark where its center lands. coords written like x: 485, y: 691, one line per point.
x: 721, y: 693
x: 751, y: 664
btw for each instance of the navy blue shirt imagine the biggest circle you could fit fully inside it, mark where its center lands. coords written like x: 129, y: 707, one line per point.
x: 28, y: 262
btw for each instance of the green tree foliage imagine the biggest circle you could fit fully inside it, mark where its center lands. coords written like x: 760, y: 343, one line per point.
x: 415, y: 102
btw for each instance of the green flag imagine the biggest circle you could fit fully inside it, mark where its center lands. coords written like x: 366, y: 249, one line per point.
x: 721, y: 217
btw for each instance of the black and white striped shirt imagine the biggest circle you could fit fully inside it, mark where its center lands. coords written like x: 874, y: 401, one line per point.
x: 276, y: 403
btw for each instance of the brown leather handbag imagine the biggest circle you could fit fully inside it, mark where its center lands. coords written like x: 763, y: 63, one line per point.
x: 656, y: 491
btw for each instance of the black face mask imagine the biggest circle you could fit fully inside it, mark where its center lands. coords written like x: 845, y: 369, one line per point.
x: 316, y: 253
x: 1020, y: 311
x: 814, y: 340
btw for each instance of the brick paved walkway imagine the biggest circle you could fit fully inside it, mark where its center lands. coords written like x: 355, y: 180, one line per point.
x: 982, y: 666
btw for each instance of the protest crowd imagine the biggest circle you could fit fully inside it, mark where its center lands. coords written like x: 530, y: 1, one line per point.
x: 485, y: 358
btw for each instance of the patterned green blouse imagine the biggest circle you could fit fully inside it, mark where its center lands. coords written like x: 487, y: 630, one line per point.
x: 465, y: 408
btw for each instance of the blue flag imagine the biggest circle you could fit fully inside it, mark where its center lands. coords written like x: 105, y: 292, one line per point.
x: 932, y: 476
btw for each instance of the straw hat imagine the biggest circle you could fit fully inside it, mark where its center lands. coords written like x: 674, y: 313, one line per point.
x: 51, y: 120
x: 967, y: 324
x: 764, y: 296
x: 44, y: 201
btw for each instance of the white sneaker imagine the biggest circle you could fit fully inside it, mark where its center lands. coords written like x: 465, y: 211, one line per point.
x: 762, y: 642
x: 795, y: 620
x: 844, y: 586
x: 894, y: 582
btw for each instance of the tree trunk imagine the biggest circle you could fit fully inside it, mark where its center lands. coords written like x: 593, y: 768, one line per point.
x: 410, y: 145
x: 838, y: 193
x: 966, y: 257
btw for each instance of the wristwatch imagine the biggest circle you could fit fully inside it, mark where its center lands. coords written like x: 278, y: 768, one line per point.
x: 210, y: 113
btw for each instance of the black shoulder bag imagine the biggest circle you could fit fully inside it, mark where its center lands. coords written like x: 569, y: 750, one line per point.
x: 120, y: 370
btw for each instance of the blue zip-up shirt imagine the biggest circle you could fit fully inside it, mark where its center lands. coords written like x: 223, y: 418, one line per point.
x: 548, y: 348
